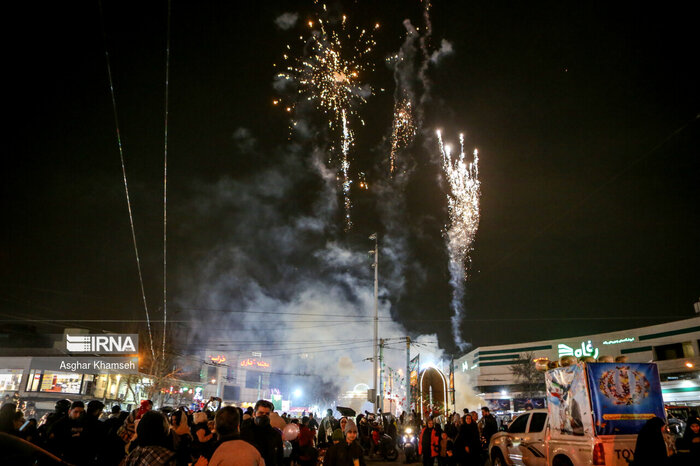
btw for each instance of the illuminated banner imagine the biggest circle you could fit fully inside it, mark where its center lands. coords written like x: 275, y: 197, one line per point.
x: 250, y: 362
x: 218, y: 359
x: 624, y: 396
x: 413, y: 369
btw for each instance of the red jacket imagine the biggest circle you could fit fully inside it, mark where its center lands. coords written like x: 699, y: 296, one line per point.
x: 434, y: 442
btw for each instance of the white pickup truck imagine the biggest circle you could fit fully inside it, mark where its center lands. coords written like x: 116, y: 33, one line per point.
x: 593, y: 414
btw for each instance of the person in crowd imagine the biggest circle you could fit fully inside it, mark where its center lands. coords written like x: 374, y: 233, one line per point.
x: 429, y: 443
x: 262, y: 436
x: 307, y: 452
x: 313, y: 423
x: 468, y: 443
x: 30, y: 432
x: 650, y: 448
x: 152, y: 441
x: 452, y: 427
x: 691, y: 439
x: 60, y: 411
x: 332, y: 454
x: 232, y: 451
x: 95, y: 432
x: 328, y: 423
x: 446, y: 455
x: 490, y: 425
x: 342, y: 422
x: 181, y: 437
x: 346, y: 452
x: 7, y: 419
x: 113, y: 451
x: 363, y: 431
x: 69, y: 438
x: 128, y: 428
x: 204, y: 442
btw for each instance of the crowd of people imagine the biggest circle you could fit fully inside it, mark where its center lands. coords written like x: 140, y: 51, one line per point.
x: 81, y: 434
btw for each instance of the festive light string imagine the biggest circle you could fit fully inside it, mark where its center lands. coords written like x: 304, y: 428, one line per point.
x: 126, y: 185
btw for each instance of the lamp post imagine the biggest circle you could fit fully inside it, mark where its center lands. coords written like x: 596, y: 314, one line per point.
x: 373, y: 236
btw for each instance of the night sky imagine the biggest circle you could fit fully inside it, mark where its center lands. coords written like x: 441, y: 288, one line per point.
x: 585, y: 117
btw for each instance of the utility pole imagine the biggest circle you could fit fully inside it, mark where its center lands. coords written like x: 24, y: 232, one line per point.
x: 373, y: 236
x: 381, y: 374
x: 408, y: 375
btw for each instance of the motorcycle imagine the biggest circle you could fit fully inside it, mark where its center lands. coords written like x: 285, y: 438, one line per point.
x: 409, y: 444
x: 387, y: 448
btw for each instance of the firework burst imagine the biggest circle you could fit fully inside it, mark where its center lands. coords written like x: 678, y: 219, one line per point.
x: 463, y: 208
x: 329, y: 76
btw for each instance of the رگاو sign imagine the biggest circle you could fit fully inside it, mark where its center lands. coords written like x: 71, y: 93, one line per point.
x: 585, y: 350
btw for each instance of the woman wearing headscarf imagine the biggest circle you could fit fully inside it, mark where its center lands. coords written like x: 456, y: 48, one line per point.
x: 429, y: 443
x: 128, y: 429
x: 467, y: 446
x: 181, y: 437
x: 651, y: 449
x: 152, y: 442
x: 204, y: 442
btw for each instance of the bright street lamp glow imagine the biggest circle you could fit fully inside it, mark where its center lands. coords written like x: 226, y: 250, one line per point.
x: 297, y: 392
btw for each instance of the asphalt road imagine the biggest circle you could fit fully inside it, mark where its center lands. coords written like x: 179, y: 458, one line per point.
x: 400, y: 462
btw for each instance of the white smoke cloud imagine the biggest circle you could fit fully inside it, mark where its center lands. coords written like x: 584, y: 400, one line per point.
x: 444, y: 50
x: 287, y: 20
x: 244, y: 140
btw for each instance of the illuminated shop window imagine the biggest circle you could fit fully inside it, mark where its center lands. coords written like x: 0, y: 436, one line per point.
x: 33, y: 381
x: 61, y: 382
x: 10, y: 381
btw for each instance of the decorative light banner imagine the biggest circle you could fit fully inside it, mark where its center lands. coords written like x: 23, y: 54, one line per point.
x: 218, y: 359
x: 250, y: 362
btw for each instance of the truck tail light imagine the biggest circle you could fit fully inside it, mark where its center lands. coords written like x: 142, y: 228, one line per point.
x: 599, y: 454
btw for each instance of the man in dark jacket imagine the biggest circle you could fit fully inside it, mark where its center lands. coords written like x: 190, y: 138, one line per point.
x: 262, y: 436
x: 69, y: 439
x: 490, y: 424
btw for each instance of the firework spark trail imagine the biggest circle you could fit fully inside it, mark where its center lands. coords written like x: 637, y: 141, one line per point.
x: 330, y: 78
x: 463, y: 208
x: 345, y: 166
x: 403, y: 130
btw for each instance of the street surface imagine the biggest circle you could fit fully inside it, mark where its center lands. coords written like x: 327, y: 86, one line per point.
x: 400, y: 462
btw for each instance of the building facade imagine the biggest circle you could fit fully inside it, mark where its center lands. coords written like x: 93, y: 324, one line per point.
x: 494, y: 373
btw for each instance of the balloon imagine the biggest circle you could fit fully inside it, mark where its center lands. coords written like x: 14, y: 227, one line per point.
x: 287, y: 448
x: 276, y: 421
x: 290, y: 432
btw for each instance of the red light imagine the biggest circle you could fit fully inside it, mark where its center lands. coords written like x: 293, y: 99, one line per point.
x: 599, y: 454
